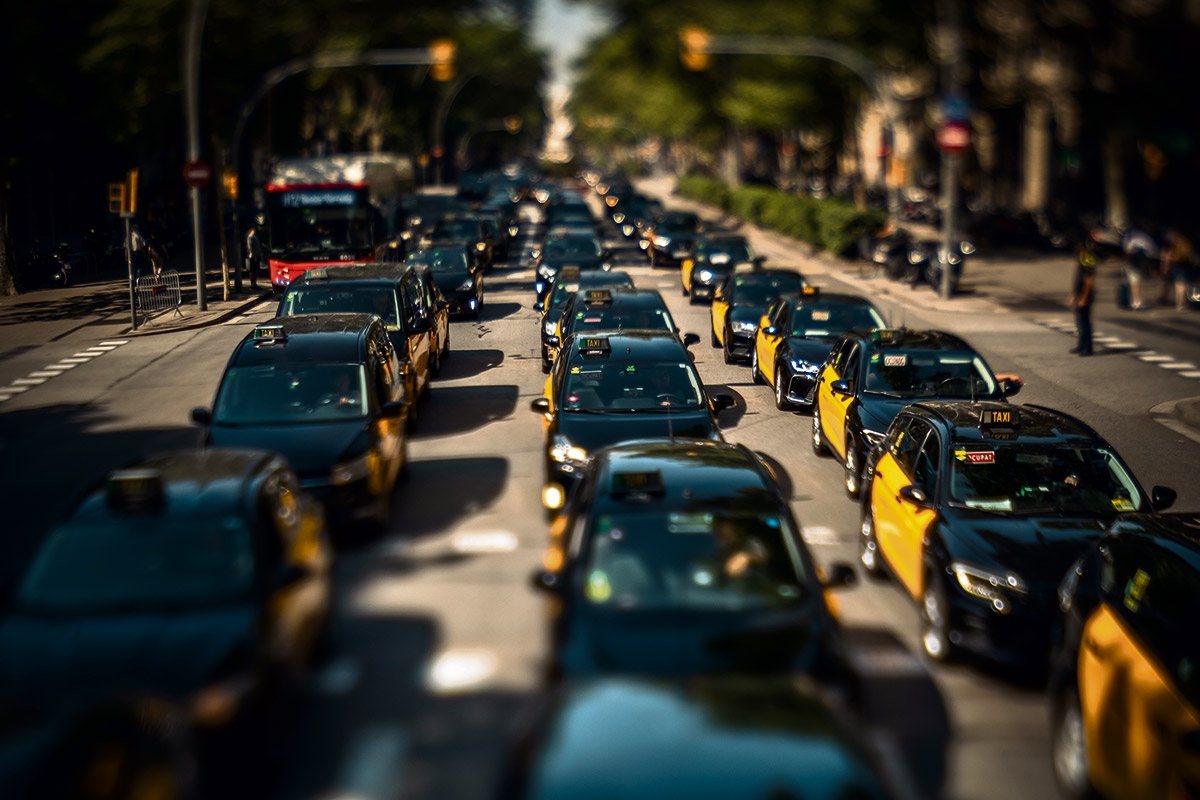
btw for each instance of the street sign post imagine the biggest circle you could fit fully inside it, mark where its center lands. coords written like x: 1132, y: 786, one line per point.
x: 197, y: 174
x: 953, y: 136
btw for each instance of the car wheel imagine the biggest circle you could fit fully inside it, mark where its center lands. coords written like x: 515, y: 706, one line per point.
x: 435, y: 363
x: 712, y: 337
x: 935, y: 618
x: 1069, y: 747
x: 819, y: 445
x: 445, y: 347
x: 755, y: 373
x: 853, y: 468
x: 781, y: 401
x: 868, y: 546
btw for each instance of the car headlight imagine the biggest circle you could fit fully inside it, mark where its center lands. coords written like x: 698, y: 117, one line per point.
x: 873, y: 437
x: 989, y: 586
x: 705, y: 275
x: 466, y: 285
x: 662, y: 241
x: 916, y: 256
x: 618, y: 217
x: 562, y: 451
x: 354, y: 469
x: 743, y: 326
x: 545, y: 270
x: 803, y: 366
x: 966, y: 247
x: 643, y: 244
x: 513, y: 230
x: 627, y: 229
x: 549, y: 326
x: 481, y: 246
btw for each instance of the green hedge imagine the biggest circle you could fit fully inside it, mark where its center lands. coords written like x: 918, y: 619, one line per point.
x: 830, y: 223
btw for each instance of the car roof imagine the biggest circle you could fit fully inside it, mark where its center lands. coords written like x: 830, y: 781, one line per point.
x: 692, y: 471
x: 633, y: 345
x: 1033, y: 424
x: 766, y: 273
x: 909, y: 339
x: 357, y: 272
x: 307, y: 338
x: 841, y: 298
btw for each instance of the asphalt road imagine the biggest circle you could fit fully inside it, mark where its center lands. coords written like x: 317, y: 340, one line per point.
x: 438, y: 635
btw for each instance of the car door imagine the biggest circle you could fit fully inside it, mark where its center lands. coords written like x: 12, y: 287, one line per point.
x: 766, y: 345
x: 438, y: 308
x: 383, y: 371
x: 915, y: 519
x: 719, y: 308
x: 419, y: 334
x: 837, y: 406
x: 1134, y: 648
x: 890, y: 512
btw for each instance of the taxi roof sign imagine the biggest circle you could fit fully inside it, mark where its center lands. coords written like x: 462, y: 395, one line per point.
x: 810, y: 291
x: 886, y: 336
x: 597, y: 297
x: 638, y: 482
x: 270, y: 332
x: 595, y: 345
x: 1002, y: 417
x: 135, y: 491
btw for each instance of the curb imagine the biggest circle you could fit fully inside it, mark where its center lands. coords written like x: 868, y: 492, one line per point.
x: 201, y: 320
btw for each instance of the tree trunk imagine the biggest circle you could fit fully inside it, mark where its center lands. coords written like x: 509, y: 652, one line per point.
x: 1038, y: 151
x: 731, y: 171
x: 8, y: 262
x: 1116, y: 204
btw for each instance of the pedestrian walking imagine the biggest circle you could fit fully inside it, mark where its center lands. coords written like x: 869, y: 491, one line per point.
x: 254, y: 254
x: 1178, y: 261
x: 139, y: 251
x: 1140, y: 251
x: 1083, y: 292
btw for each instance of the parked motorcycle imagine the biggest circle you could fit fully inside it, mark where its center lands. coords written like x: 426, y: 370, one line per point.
x: 885, y: 251
x: 924, y: 263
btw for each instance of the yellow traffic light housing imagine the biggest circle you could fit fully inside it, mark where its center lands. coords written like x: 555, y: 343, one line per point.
x: 441, y: 57
x: 229, y: 183
x: 116, y: 198
x: 693, y: 48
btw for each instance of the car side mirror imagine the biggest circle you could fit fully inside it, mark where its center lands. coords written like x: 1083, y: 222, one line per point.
x: 201, y: 416
x: 1009, y: 387
x: 916, y: 495
x: 690, y: 339
x: 540, y: 406
x: 539, y: 306
x: 759, y: 260
x: 722, y: 401
x: 290, y: 575
x: 842, y: 387
x: 543, y: 580
x: 553, y: 341
x: 841, y: 575
x: 392, y: 409
x: 1162, y: 497
x: 770, y: 330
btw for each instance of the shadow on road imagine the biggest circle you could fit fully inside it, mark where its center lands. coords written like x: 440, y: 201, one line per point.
x: 461, y: 486
x: 459, y: 409
x: 469, y: 363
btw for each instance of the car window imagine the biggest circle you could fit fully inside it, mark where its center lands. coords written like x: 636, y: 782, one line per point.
x: 618, y: 384
x: 853, y: 359
x: 908, y: 443
x: 827, y: 320
x: 929, y: 373
x: 290, y: 393
x: 692, y: 560
x: 332, y: 299
x: 925, y: 464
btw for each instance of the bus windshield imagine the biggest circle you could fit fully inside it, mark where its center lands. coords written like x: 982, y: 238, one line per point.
x: 310, y: 221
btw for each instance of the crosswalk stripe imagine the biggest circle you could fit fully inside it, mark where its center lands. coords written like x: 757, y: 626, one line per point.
x: 1178, y: 365
x: 46, y: 373
x: 28, y: 381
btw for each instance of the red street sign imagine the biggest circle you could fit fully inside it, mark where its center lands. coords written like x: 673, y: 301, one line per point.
x: 954, y: 137
x: 437, y: 151
x: 197, y: 174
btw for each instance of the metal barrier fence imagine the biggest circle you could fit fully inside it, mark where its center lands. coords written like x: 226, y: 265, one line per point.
x: 158, y: 293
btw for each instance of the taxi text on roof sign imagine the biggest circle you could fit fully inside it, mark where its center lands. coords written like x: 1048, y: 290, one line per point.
x: 998, y: 417
x: 624, y: 482
x: 886, y: 335
x: 135, y: 490
x: 810, y: 291
x: 597, y: 297
x: 594, y: 345
x: 269, y: 333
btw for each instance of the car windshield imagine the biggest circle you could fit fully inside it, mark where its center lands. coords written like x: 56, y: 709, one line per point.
x: 1048, y: 478
x: 829, y: 320
x: 564, y: 289
x: 456, y: 230
x: 443, y: 262
x: 929, y: 373
x: 618, y: 384
x: 318, y: 298
x: 266, y: 394
x: 759, y: 290
x: 724, y: 252
x: 693, y: 560
x: 140, y: 562
x: 610, y: 318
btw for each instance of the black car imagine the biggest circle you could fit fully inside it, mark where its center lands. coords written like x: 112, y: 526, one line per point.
x: 183, y: 591
x: 474, y: 232
x: 738, y: 305
x: 872, y: 374
x: 615, y: 309
x: 979, y: 508
x: 420, y: 212
x: 712, y: 258
x: 1125, y: 668
x: 566, y: 285
x: 582, y: 251
x: 326, y: 392
x: 704, y: 739
x: 670, y: 239
x: 615, y: 386
x: 682, y: 558
x: 457, y: 277
x: 796, y: 335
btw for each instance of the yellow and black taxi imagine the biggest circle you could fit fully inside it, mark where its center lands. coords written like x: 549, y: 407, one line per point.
x: 739, y: 304
x: 473, y: 232
x: 710, y: 737
x: 1125, y: 667
x: 458, y: 281
x: 614, y: 309
x: 979, y: 508
x: 566, y: 285
x: 712, y: 258
x: 668, y: 239
x: 681, y: 558
x: 397, y: 293
x: 796, y: 335
x: 325, y: 390
x: 583, y: 251
x: 871, y: 374
x: 181, y: 591
x: 613, y: 386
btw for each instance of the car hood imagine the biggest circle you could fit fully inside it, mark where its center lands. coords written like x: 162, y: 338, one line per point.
x: 311, y: 449
x: 450, y: 280
x: 878, y: 411
x: 750, y: 313
x: 593, y: 431
x: 814, y: 351
x: 1038, y: 549
x: 69, y: 661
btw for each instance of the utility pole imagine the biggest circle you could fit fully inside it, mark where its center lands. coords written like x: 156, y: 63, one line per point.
x: 191, y: 108
x: 955, y: 112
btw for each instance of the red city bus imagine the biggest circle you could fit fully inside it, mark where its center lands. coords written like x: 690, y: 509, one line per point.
x: 323, y: 211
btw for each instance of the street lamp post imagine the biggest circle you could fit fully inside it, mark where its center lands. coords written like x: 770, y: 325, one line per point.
x: 191, y: 103
x: 439, y: 126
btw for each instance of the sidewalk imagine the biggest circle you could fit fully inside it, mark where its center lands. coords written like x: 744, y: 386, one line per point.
x: 992, y: 284
x: 190, y: 316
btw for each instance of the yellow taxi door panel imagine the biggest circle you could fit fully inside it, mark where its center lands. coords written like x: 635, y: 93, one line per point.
x: 685, y: 274
x: 834, y: 421
x: 719, y: 308
x: 765, y: 346
x: 825, y: 399
x: 887, y: 508
x: 912, y: 533
x: 1133, y: 718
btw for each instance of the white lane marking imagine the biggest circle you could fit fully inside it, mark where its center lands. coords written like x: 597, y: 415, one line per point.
x: 46, y: 373
x: 1154, y: 357
x: 1178, y: 365
x: 5, y: 396
x: 1106, y: 339
x: 86, y: 356
x: 484, y: 542
x: 14, y: 389
x: 339, y: 677
x: 455, y: 671
x: 1171, y: 423
x: 519, y: 276
x: 62, y: 366
x: 373, y: 768
x: 820, y: 535
x: 28, y: 381
x: 116, y: 342
x: 103, y: 348
x: 1191, y: 374
x: 1122, y: 346
x: 665, y: 284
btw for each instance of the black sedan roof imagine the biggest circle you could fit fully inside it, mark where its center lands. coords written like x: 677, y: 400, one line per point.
x: 909, y: 339
x: 632, y: 346
x: 973, y: 422
x: 357, y: 272
x: 306, y: 337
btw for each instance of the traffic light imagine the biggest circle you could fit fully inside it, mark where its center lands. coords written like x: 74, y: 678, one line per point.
x: 116, y: 198
x: 229, y: 182
x: 441, y: 56
x: 122, y: 197
x: 693, y: 48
